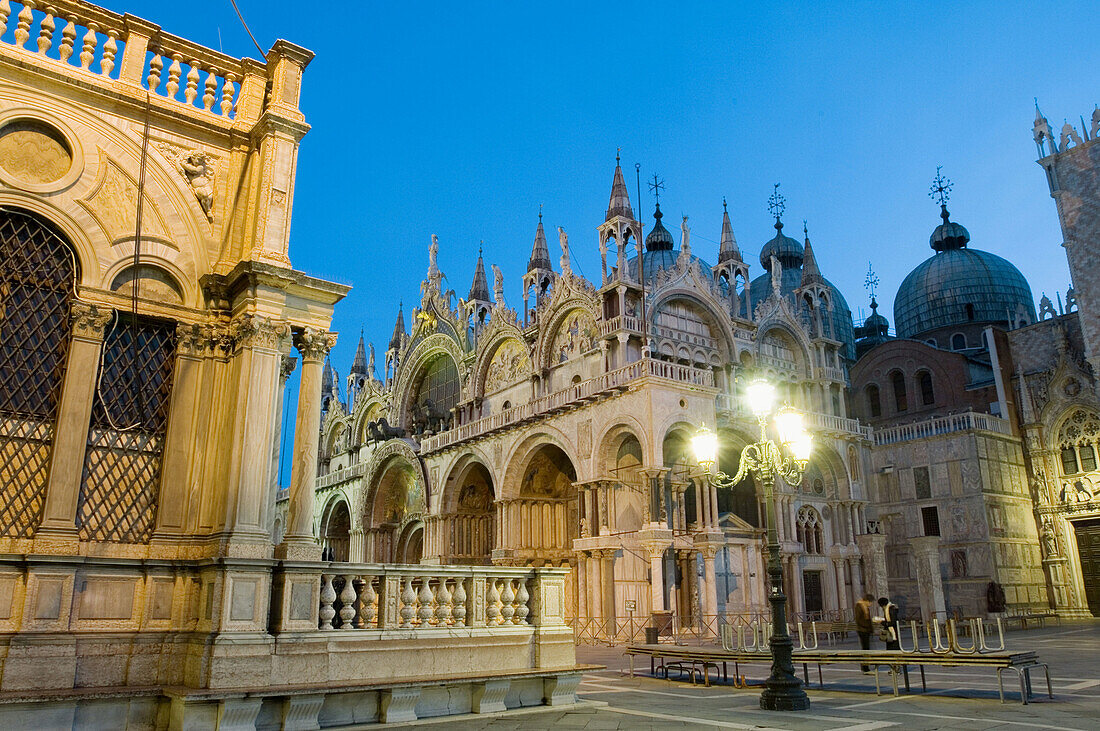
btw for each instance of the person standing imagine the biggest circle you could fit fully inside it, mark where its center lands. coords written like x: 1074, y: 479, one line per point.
x: 864, y: 626
x: 890, y: 630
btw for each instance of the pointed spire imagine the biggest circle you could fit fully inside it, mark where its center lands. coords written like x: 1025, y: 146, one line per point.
x: 810, y: 273
x: 328, y: 377
x: 619, y: 204
x: 727, y: 250
x: 479, y: 290
x: 359, y: 365
x: 540, y: 253
x: 398, y: 328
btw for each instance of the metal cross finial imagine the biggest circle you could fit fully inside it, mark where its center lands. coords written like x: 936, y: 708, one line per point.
x: 618, y: 152
x: 724, y: 204
x: 871, y: 282
x: 656, y: 187
x: 777, y: 203
x: 805, y: 229
x: 941, y: 187
x: 540, y: 213
x: 481, y: 243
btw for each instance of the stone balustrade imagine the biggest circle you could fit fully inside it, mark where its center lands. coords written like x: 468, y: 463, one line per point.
x: 341, y: 475
x: 943, y: 425
x: 377, y: 596
x: 123, y: 50
x: 829, y: 373
x: 735, y: 408
x: 622, y: 322
x: 570, y: 397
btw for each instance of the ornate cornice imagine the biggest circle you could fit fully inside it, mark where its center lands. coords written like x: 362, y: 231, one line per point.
x: 89, y: 321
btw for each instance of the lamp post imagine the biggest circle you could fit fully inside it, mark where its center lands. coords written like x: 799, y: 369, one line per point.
x: 766, y: 460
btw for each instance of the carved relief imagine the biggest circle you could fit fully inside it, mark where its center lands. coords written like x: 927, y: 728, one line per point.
x: 256, y: 331
x: 197, y: 168
x: 510, y: 364
x: 114, y: 203
x: 314, y: 344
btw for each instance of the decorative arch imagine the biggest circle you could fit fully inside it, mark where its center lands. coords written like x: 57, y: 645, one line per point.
x: 803, y: 362
x: 557, y: 317
x: 504, y: 364
x: 719, y: 323
x: 394, y: 449
x: 155, y: 281
x: 521, y: 454
x: 335, y: 528
x: 614, y: 434
x: 423, y: 352
x: 809, y: 530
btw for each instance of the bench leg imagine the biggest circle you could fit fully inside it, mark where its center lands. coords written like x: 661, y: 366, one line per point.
x: 805, y: 674
x: 820, y: 680
x: 923, y: 684
x: 1000, y: 685
x: 878, y: 688
x: 905, y: 670
x: 1050, y: 688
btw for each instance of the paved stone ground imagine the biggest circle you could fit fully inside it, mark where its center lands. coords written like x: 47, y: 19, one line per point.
x: 956, y: 698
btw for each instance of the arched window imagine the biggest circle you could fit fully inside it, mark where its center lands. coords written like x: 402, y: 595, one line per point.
x: 901, y: 400
x: 932, y: 342
x: 1078, y: 438
x: 808, y: 530
x: 874, y: 402
x: 927, y: 395
x: 958, y: 341
x: 38, y: 272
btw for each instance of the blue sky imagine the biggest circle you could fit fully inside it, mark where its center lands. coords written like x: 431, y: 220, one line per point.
x: 460, y: 119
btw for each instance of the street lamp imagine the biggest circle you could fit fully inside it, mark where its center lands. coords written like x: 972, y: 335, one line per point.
x: 766, y: 460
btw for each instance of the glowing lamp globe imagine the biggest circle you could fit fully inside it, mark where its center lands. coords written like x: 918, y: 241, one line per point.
x: 788, y: 423
x: 705, y: 446
x: 801, y: 446
x: 761, y: 396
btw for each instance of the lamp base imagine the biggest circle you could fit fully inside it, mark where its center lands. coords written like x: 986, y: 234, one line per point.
x: 786, y: 699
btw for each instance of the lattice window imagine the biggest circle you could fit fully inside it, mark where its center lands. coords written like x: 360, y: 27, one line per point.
x: 118, y: 492
x: 808, y: 530
x: 37, y: 273
x: 1078, y: 438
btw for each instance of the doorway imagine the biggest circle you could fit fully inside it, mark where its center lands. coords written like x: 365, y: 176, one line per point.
x: 811, y: 588
x: 1088, y: 548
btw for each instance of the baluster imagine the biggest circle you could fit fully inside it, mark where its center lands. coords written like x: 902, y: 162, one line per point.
x: 87, y: 53
x: 492, y: 613
x: 366, y: 603
x: 522, y: 610
x: 459, y: 610
x: 23, y: 23
x: 156, y: 65
x: 68, y: 40
x: 192, y: 90
x: 424, y: 612
x: 45, y: 33
x: 110, y: 48
x: 173, y: 77
x: 408, y: 597
x: 347, y: 597
x: 210, y: 87
x: 5, y: 13
x: 507, y: 611
x: 227, y: 94
x: 328, y: 596
x: 443, y: 604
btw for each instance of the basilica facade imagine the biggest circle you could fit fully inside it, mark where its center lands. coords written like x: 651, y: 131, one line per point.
x: 954, y: 463
x: 559, y: 434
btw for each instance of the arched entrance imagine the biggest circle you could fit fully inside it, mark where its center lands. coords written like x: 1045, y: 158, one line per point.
x: 398, y: 504
x: 466, y: 527
x: 410, y: 543
x: 336, y: 531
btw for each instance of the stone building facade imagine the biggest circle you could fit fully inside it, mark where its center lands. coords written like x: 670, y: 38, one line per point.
x: 559, y: 435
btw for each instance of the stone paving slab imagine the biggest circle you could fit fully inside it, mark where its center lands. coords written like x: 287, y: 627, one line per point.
x: 958, y: 698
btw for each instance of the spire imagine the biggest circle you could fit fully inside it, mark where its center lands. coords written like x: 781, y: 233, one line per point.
x: 620, y: 201
x: 328, y: 377
x: 810, y: 273
x: 359, y: 365
x: 479, y: 290
x: 659, y: 239
x: 398, y: 328
x: 727, y: 250
x: 540, y: 254
x: 948, y: 235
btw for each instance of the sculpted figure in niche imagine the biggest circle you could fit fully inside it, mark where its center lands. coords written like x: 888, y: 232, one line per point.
x: 498, y: 285
x: 200, y: 174
x: 1050, y: 541
x: 574, y: 339
x: 474, y: 498
x: 510, y: 363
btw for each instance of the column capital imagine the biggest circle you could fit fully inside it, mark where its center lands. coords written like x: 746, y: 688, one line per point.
x: 286, y: 367
x: 89, y: 321
x: 314, y: 343
x: 256, y: 331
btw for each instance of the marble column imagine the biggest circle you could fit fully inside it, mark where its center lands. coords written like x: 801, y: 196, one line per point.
x: 356, y: 550
x: 299, y: 542
x: 926, y: 557
x: 57, y: 530
x: 710, y: 592
x: 595, y: 590
x: 872, y: 548
x: 582, y: 585
x: 607, y: 577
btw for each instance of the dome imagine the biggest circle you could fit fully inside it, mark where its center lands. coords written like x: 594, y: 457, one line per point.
x: 660, y: 259
x: 841, y: 321
x: 788, y: 251
x: 659, y: 239
x: 960, y: 286
x: 876, y: 324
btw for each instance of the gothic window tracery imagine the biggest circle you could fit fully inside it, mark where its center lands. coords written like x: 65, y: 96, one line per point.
x: 809, y: 532
x: 1078, y: 440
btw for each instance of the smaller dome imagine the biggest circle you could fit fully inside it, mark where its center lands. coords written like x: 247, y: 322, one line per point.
x: 876, y: 324
x: 659, y: 239
x: 948, y: 235
x: 788, y: 251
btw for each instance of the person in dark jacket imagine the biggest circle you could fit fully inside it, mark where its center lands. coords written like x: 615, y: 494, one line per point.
x: 890, y: 631
x: 865, y: 627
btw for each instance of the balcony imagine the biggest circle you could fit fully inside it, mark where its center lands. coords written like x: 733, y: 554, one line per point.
x: 341, y: 475
x: 575, y: 395
x: 622, y: 322
x: 969, y: 421
x: 734, y: 408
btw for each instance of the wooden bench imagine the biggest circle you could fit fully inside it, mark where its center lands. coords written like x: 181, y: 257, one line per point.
x: 895, y: 662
